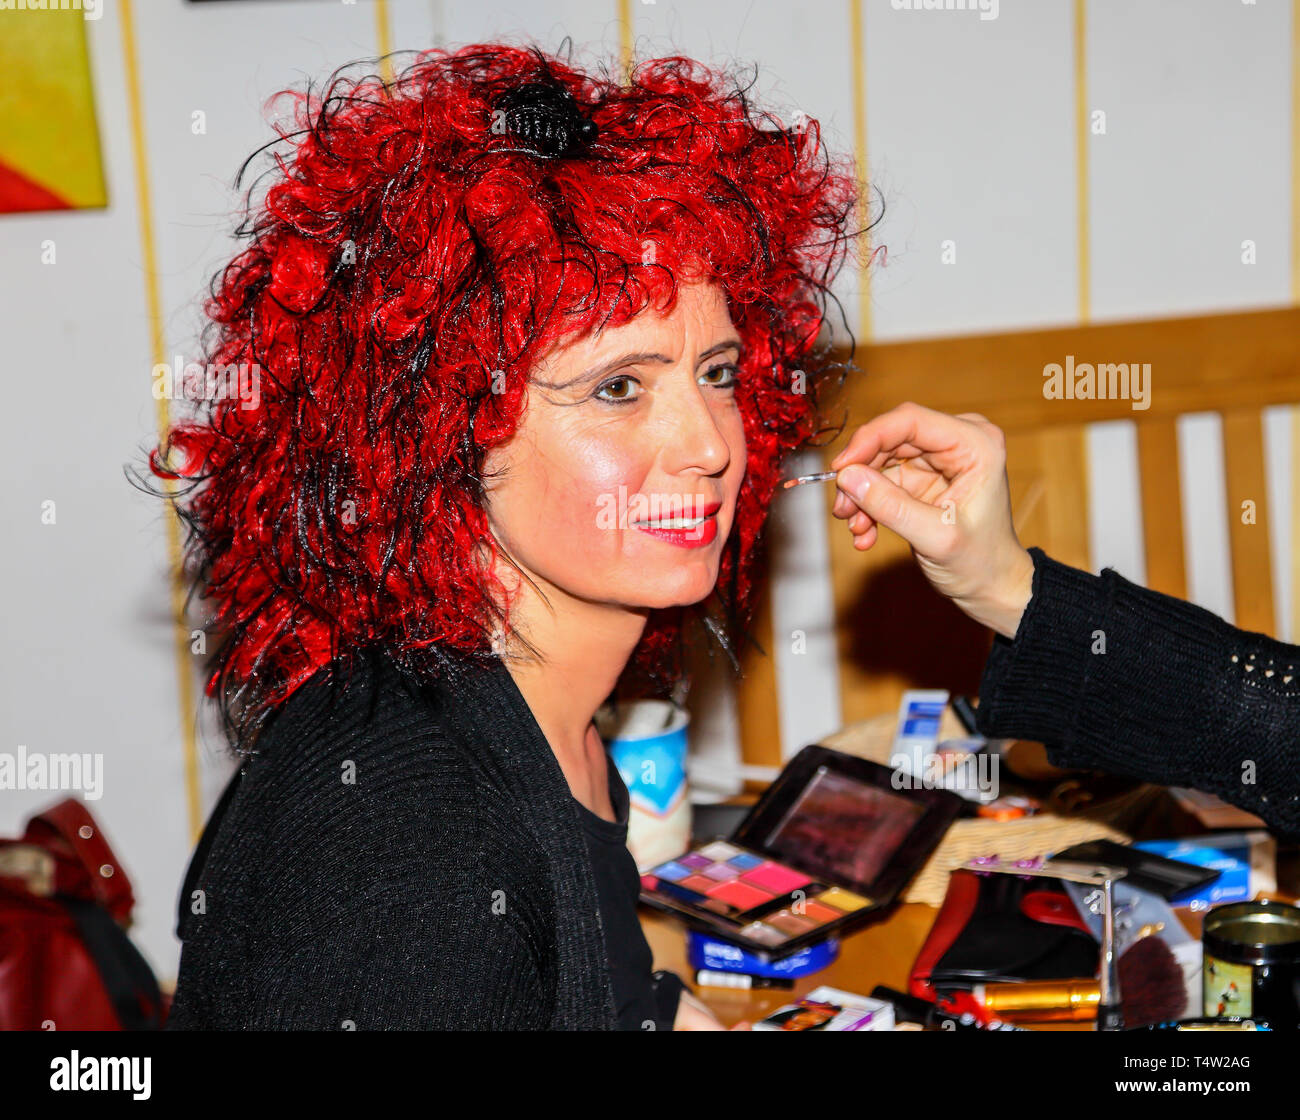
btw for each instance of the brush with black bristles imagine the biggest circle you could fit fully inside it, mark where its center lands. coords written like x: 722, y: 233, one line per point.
x: 1151, y: 984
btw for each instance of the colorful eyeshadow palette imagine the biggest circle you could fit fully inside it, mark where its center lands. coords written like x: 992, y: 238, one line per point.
x: 755, y: 898
x: 829, y: 844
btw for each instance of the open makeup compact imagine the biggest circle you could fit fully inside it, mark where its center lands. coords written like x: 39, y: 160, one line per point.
x: 830, y: 844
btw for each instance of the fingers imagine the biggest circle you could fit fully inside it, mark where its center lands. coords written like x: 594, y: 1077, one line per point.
x: 860, y: 525
x: 885, y: 503
x: 913, y: 476
x: 863, y: 541
x: 912, y: 431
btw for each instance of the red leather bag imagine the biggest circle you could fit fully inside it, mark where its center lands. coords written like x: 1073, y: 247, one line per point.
x: 66, y: 962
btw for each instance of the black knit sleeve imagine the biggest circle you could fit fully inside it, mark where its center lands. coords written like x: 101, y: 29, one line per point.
x: 1112, y: 676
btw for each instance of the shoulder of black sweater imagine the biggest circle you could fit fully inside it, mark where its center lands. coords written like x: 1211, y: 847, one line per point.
x: 1114, y: 676
x: 384, y: 882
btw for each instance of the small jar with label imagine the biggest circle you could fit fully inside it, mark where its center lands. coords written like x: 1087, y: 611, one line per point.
x: 1252, y: 962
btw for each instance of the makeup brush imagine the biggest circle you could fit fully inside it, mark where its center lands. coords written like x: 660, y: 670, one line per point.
x: 1110, y: 1008
x: 1152, y: 982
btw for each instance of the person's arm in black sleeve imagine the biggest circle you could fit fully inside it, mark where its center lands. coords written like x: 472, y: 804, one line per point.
x: 1105, y: 673
x: 1112, y: 676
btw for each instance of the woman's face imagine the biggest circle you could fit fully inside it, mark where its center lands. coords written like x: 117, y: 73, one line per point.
x: 621, y: 482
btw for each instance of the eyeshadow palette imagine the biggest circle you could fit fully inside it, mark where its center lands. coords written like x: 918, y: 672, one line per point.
x: 759, y: 899
x: 829, y: 844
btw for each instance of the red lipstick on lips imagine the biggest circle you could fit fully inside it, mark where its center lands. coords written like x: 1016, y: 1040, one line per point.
x: 697, y: 537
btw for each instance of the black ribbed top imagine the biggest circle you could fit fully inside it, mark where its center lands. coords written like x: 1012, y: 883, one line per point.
x: 618, y: 887
x: 395, y: 856
x: 1112, y: 676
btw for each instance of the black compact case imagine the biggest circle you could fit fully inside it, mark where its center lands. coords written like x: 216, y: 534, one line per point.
x: 1169, y: 878
x: 857, y: 830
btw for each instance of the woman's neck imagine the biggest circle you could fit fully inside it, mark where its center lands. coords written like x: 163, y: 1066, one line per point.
x: 584, y: 648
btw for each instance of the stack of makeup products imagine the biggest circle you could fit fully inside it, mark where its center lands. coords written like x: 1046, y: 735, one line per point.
x: 1244, y: 973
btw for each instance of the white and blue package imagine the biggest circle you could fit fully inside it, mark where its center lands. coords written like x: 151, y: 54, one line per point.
x: 703, y: 951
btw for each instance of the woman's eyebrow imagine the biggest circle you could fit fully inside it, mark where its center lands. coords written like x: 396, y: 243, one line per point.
x: 730, y: 344
x: 603, y: 368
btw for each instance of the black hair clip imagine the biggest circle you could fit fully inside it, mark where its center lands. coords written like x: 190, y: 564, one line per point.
x: 545, y: 118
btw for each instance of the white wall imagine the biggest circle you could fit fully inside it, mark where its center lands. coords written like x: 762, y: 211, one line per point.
x: 970, y: 136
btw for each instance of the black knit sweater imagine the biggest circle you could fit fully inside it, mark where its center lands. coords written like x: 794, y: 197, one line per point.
x: 1112, y: 676
x: 396, y: 856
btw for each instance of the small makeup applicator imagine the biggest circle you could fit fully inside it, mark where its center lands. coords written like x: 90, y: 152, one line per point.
x: 824, y: 476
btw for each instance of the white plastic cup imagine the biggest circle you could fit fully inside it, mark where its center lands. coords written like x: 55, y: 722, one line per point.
x: 647, y: 741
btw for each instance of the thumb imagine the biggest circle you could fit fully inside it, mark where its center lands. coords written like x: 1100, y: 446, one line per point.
x: 888, y: 504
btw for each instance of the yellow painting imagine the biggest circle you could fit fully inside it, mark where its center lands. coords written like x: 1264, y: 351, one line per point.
x: 49, y: 143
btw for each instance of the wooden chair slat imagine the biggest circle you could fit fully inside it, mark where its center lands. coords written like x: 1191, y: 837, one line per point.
x: 1246, y: 482
x: 1162, y: 506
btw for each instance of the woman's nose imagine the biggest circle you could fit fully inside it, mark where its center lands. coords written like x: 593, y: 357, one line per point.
x: 693, y: 438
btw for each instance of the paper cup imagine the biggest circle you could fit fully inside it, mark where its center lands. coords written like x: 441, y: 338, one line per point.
x: 651, y: 759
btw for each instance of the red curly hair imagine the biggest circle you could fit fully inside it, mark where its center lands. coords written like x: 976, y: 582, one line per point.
x: 410, y: 262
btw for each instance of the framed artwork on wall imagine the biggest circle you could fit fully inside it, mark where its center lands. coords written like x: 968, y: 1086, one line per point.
x: 49, y: 141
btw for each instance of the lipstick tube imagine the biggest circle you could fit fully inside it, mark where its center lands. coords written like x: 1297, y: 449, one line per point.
x: 1047, y: 1001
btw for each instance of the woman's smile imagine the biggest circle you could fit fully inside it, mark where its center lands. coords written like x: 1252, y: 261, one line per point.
x: 685, y: 532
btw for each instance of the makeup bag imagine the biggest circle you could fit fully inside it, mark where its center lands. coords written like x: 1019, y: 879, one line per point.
x: 66, y: 962
x: 1001, y: 929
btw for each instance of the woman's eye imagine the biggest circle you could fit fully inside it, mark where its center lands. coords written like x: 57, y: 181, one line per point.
x: 619, y: 390
x: 733, y: 375
x: 617, y: 398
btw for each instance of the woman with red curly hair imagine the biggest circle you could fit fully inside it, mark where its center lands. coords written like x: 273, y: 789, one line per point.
x: 532, y: 346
